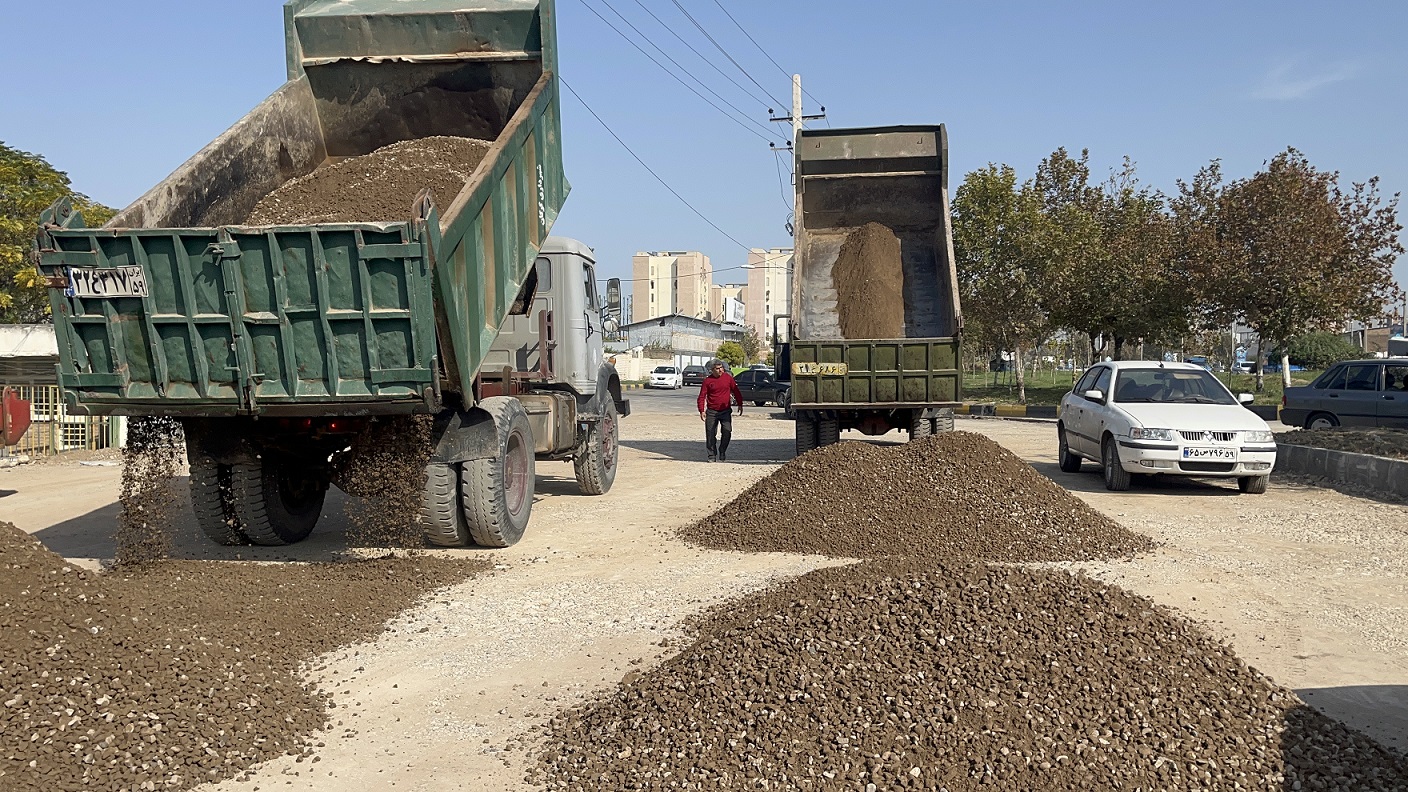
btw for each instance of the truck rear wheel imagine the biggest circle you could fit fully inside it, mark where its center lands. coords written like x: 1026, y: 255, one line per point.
x: 595, y: 466
x: 210, y: 500
x: 828, y: 431
x: 943, y: 421
x: 806, y: 433
x: 920, y: 426
x: 497, y: 493
x: 445, y: 525
x: 275, y: 500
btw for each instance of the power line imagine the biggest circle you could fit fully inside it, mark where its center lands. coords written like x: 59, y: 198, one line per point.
x: 666, y: 184
x: 782, y: 191
x: 785, y: 73
x: 732, y: 118
x: 720, y: 48
x: 764, y: 100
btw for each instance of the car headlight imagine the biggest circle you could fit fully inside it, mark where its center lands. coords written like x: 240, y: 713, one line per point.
x: 1138, y: 433
x: 1259, y: 436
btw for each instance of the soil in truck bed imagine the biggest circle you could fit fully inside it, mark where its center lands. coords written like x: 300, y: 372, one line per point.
x: 869, y: 280
x: 375, y: 187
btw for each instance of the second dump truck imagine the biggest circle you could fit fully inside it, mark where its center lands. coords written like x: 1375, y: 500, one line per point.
x: 277, y: 346
x: 845, y: 179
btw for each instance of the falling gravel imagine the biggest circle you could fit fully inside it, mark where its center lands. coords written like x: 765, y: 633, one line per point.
x: 152, y: 459
x: 386, y: 473
x: 170, y: 674
x: 956, y: 495
x: 379, y: 186
x: 869, y: 280
x: 898, y: 674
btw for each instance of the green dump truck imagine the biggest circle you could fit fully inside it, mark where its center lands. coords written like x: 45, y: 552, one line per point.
x: 277, y: 346
x: 845, y: 179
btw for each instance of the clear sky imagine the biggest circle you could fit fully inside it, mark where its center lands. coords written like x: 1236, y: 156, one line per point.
x: 118, y: 94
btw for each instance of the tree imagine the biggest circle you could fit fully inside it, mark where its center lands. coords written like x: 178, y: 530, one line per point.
x: 1319, y: 350
x: 1289, y: 252
x: 997, y: 242
x: 752, y: 344
x: 28, y: 185
x: 730, y: 352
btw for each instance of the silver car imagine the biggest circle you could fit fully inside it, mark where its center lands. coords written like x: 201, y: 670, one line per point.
x: 1352, y: 393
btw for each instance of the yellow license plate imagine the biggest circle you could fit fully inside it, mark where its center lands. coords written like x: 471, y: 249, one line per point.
x: 824, y: 369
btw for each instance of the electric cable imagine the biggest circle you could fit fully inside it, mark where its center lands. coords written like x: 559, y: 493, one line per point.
x: 785, y: 73
x: 720, y: 48
x: 764, y: 100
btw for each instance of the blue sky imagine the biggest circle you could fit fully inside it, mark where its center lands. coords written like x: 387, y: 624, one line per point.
x: 118, y: 94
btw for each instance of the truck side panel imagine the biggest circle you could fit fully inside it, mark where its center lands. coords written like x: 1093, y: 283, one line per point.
x: 910, y: 373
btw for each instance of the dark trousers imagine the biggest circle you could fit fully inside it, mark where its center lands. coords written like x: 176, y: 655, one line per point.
x: 718, y: 423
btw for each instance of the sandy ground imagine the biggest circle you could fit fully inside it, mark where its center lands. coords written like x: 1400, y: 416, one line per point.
x: 1307, y: 584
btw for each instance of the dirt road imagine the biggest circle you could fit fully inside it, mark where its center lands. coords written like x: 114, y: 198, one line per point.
x: 1308, y: 585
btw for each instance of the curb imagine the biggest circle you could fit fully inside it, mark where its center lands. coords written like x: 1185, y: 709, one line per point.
x: 625, y: 386
x: 1006, y: 410
x: 1380, y: 474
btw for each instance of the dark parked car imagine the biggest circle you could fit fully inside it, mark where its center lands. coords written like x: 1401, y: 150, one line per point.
x: 1352, y: 393
x: 760, y: 386
x: 694, y: 375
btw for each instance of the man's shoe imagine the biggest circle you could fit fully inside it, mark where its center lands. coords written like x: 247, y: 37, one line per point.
x: 711, y: 457
x: 723, y: 458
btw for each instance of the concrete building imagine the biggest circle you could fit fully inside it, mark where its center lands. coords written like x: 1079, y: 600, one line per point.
x: 726, y: 303
x: 670, y: 282
x: 688, y: 339
x: 769, y: 291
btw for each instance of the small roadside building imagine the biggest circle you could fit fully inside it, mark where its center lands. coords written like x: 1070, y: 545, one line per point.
x: 29, y: 360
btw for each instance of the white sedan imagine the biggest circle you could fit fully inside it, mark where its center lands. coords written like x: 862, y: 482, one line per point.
x: 666, y: 377
x: 1162, y: 418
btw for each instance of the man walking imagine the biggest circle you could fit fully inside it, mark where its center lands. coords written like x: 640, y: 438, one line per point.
x: 716, y: 395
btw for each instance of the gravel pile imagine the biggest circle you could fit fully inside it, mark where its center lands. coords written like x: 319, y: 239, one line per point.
x: 1378, y: 441
x: 379, y: 186
x: 869, y: 280
x: 956, y: 495
x: 174, y: 673
x: 899, y: 674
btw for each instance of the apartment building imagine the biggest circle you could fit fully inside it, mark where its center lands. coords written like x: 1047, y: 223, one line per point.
x: 769, y: 290
x: 670, y: 282
x: 726, y: 302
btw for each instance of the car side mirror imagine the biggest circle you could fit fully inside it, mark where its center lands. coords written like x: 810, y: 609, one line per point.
x: 1245, y: 398
x: 1095, y: 395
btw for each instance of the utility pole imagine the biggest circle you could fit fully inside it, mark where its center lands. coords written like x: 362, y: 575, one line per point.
x: 795, y: 117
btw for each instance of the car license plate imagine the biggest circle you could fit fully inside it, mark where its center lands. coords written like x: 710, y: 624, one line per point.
x: 1229, y: 454
x: 106, y: 282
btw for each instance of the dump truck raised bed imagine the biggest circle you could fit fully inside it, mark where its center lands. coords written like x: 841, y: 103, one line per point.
x: 277, y: 346
x: 886, y: 185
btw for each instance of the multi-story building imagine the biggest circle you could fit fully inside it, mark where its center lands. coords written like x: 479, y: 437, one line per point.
x: 670, y: 282
x: 769, y: 290
x: 726, y: 302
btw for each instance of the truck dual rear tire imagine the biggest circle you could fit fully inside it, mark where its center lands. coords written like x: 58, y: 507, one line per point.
x: 920, y: 427
x: 210, y: 500
x: 828, y: 431
x: 496, y: 494
x: 596, y: 465
x: 445, y: 525
x: 943, y: 420
x: 806, y: 433
x: 275, y: 501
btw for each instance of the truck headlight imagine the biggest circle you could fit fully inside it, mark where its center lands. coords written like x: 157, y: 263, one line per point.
x: 1139, y: 433
x: 1259, y: 436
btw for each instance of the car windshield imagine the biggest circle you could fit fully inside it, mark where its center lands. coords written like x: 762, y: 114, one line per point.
x: 1170, y: 386
x: 664, y: 369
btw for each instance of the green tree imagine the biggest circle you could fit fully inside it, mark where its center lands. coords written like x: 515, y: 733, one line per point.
x: 1289, y: 252
x: 1320, y: 350
x: 730, y: 352
x: 28, y: 185
x: 752, y: 344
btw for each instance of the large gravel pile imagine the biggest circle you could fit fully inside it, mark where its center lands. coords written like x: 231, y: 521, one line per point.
x: 175, y: 673
x: 869, y: 280
x: 379, y: 186
x: 1378, y: 441
x: 956, y: 495
x: 898, y: 674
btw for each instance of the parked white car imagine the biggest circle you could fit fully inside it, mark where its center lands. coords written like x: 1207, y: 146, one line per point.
x: 665, y: 377
x: 1162, y: 418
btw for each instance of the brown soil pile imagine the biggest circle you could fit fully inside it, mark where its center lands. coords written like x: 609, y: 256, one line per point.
x: 899, y: 675
x: 153, y: 458
x: 379, y: 186
x: 869, y: 280
x: 180, y: 672
x: 1378, y: 441
x: 956, y: 495
x: 386, y: 473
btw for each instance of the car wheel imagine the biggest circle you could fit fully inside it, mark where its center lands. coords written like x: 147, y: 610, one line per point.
x: 1253, y: 485
x: 1116, y: 477
x: 1321, y: 421
x: 760, y: 402
x: 1070, y: 462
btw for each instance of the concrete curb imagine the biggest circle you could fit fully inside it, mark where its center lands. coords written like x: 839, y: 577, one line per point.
x: 1380, y: 474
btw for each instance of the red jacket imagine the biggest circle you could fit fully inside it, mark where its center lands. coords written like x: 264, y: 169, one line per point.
x: 715, y: 392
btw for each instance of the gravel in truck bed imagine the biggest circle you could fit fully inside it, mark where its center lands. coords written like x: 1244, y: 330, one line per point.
x: 379, y: 186
x: 174, y: 673
x: 869, y: 280
x: 956, y: 495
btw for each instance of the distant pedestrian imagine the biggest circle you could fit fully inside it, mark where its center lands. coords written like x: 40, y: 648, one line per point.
x: 716, y: 396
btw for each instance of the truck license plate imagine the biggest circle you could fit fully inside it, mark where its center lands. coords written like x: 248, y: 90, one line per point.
x: 1227, y: 454
x: 106, y: 282
x: 824, y: 369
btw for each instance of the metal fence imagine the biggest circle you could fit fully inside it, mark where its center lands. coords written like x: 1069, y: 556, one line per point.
x: 54, y: 431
